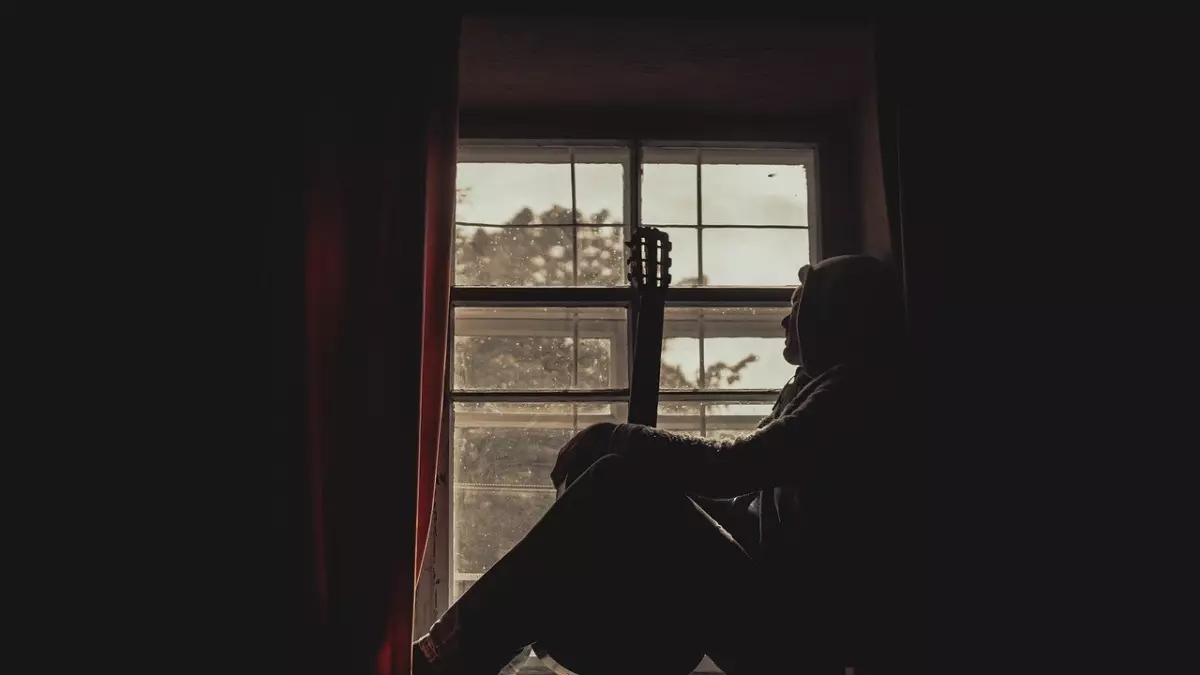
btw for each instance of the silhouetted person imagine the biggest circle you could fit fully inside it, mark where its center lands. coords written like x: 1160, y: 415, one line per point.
x: 773, y: 552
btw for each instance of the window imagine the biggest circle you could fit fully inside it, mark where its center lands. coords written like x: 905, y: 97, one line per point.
x: 541, y: 312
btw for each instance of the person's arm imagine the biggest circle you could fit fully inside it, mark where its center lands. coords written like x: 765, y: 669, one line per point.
x: 781, y: 450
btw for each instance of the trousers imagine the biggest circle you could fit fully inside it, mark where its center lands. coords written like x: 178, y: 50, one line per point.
x: 619, y: 575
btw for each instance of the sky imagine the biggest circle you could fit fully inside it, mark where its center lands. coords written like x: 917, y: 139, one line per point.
x: 730, y: 195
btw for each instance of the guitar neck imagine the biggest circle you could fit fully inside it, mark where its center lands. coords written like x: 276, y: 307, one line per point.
x: 647, y: 361
x: 650, y: 266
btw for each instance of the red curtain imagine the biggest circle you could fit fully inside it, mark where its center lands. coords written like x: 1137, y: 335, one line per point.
x: 381, y: 140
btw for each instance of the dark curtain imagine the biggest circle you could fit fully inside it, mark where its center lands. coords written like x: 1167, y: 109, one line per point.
x: 380, y: 140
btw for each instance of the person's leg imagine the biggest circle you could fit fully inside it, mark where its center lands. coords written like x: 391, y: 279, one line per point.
x: 615, y: 550
x: 734, y: 516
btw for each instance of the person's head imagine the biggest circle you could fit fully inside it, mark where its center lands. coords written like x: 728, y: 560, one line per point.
x: 847, y: 310
x: 791, y: 341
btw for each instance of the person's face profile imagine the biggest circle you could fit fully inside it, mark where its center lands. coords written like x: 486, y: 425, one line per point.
x: 791, y: 344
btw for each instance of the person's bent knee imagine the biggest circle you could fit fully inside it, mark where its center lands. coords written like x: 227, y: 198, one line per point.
x: 613, y: 484
x: 617, y: 475
x: 613, y: 467
x: 599, y: 430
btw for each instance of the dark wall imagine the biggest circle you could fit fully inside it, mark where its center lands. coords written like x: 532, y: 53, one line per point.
x: 730, y: 65
x: 1042, y: 187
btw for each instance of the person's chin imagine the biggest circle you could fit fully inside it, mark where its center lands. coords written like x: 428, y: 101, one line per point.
x: 791, y: 357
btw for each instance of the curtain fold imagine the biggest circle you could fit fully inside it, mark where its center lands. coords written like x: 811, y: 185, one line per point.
x: 381, y: 140
x: 904, y: 647
x: 439, y: 241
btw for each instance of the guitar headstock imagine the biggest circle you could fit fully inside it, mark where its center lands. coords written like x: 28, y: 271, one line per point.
x: 649, y: 260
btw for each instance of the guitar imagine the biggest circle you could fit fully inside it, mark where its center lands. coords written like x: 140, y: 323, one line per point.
x: 650, y: 276
x: 571, y: 653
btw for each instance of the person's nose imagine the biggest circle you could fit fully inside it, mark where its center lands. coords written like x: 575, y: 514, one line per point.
x: 783, y: 323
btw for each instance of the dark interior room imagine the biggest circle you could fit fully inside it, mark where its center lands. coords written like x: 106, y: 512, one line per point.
x: 449, y: 304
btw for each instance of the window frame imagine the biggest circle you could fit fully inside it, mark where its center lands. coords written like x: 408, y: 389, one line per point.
x: 438, y: 567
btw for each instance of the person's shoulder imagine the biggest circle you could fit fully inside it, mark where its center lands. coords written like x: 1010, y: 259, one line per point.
x: 853, y: 382
x: 861, y: 373
x: 827, y: 385
x: 837, y: 377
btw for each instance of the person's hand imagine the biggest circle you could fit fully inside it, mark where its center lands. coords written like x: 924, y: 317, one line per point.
x: 579, y: 453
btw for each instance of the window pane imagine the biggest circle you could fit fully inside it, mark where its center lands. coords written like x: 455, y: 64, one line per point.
x: 681, y: 349
x: 742, y: 257
x: 601, y: 256
x: 725, y: 434
x: 730, y: 420
x: 721, y: 322
x: 499, y: 193
x: 680, y: 364
x: 535, y: 348
x: 600, y: 185
x: 588, y: 414
x: 726, y: 419
x: 513, y: 448
x: 743, y: 348
x: 754, y: 194
x: 685, y: 256
x: 669, y: 187
x: 679, y: 416
x: 487, y: 523
x: 515, y: 444
x: 538, y: 256
x: 502, y: 455
x: 745, y: 363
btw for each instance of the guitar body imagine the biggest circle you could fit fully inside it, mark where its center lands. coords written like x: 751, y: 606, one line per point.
x: 611, y: 653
